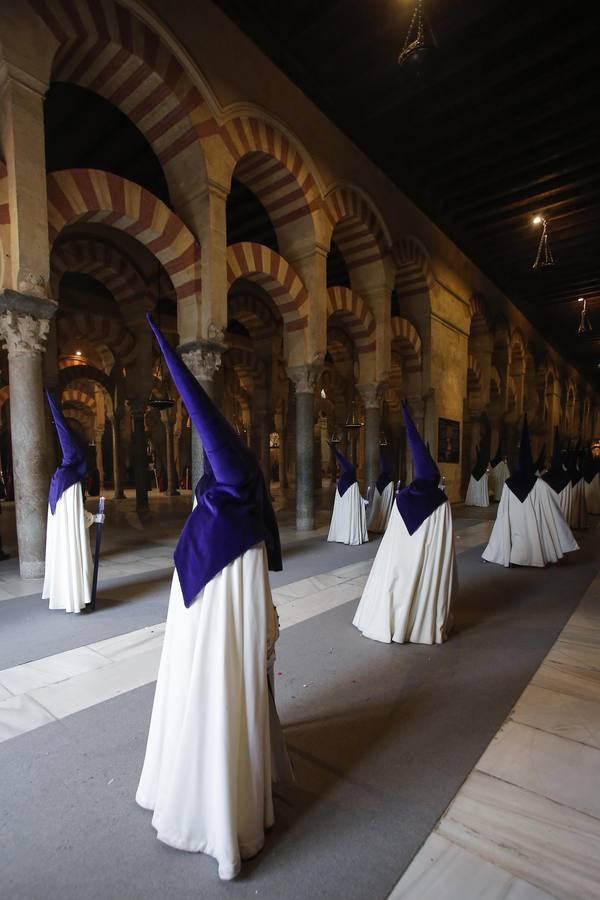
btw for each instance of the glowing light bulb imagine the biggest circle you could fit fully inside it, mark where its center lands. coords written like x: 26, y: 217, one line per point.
x: 580, y: 300
x: 78, y: 353
x: 537, y: 220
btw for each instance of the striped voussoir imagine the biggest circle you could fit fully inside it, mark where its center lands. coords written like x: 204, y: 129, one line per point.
x: 353, y: 313
x: 407, y: 343
x: 100, y: 332
x: 413, y: 271
x: 78, y: 398
x: 259, y: 321
x: 105, y: 48
x: 91, y: 195
x: 70, y: 371
x: 473, y: 375
x: 479, y: 316
x: 248, y: 367
x: 273, y: 169
x: 107, y: 265
x: 357, y: 228
x: 266, y: 268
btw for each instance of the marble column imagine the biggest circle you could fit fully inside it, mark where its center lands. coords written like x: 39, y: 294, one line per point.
x: 167, y: 420
x: 115, y: 423
x: 23, y: 335
x: 305, y: 380
x: 140, y: 457
x: 203, y: 359
x: 370, y: 394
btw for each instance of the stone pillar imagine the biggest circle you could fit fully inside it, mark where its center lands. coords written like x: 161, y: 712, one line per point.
x: 167, y: 420
x: 140, y: 457
x: 305, y: 380
x: 23, y: 335
x: 115, y: 423
x: 370, y: 394
x: 98, y: 435
x: 202, y: 358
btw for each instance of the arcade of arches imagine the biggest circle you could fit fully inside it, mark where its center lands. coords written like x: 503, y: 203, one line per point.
x: 298, y: 283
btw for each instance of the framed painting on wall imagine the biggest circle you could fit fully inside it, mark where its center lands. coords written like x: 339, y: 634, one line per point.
x: 448, y: 441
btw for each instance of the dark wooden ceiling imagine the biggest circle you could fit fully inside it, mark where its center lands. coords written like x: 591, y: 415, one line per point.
x: 504, y: 126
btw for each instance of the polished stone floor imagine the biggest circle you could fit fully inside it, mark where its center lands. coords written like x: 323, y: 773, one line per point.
x: 526, y: 822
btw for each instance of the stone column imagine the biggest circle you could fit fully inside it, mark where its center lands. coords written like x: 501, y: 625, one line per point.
x: 167, y: 420
x: 202, y: 358
x: 370, y: 394
x: 140, y: 457
x: 305, y: 380
x: 98, y: 435
x: 23, y: 335
x: 115, y: 422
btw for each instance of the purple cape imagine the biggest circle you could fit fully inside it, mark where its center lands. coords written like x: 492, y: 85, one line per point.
x: 422, y: 496
x: 384, y: 477
x: 73, y: 467
x: 348, y: 476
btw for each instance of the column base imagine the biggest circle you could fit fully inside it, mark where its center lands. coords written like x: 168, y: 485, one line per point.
x: 32, y: 568
x: 305, y: 523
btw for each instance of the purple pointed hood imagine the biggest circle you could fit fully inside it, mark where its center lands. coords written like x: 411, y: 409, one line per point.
x: 384, y: 477
x: 422, y: 496
x: 233, y: 511
x: 73, y: 467
x: 523, y: 479
x: 556, y: 476
x: 348, y: 476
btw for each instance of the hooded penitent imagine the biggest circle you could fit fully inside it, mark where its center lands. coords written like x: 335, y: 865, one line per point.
x: 73, y: 467
x: 481, y: 462
x: 348, y: 475
x: 384, y: 477
x: 556, y: 476
x: 233, y: 512
x: 422, y: 496
x: 589, y: 466
x: 523, y: 479
x: 540, y: 461
x: 498, y: 457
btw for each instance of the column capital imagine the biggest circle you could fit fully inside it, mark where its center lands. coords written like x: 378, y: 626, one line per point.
x: 22, y: 333
x: 203, y: 358
x: 372, y: 393
x: 305, y: 377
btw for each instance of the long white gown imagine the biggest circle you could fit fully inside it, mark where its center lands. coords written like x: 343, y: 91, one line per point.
x: 592, y: 495
x: 381, y: 508
x: 478, y: 493
x: 532, y: 533
x: 578, y: 513
x: 499, y: 474
x: 69, y: 568
x: 565, y: 499
x: 208, y: 769
x: 348, y: 519
x: 409, y: 593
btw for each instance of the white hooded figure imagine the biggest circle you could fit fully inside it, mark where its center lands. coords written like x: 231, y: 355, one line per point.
x: 559, y: 479
x: 382, y: 499
x: 591, y: 484
x: 529, y: 529
x: 478, y: 492
x: 215, y: 742
x: 68, y: 569
x: 349, y: 517
x: 578, y: 509
x: 410, y: 591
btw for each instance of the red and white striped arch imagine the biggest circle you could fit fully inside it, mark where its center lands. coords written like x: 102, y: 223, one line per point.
x: 102, y: 46
x: 266, y: 268
x: 78, y: 398
x: 353, y: 313
x: 104, y: 263
x: 358, y: 229
x: 91, y: 195
x: 413, y: 269
x: 255, y: 316
x: 269, y: 164
x: 473, y: 376
x: 101, y: 332
x: 407, y: 343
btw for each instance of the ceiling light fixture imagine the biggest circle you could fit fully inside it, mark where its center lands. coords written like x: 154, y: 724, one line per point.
x: 584, y: 319
x: 419, y: 43
x: 78, y: 353
x: 544, y: 258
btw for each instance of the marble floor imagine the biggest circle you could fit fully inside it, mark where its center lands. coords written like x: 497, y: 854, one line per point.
x: 525, y: 825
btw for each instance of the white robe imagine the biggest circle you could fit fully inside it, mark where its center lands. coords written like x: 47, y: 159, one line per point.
x: 409, y: 593
x: 592, y: 495
x: 381, y: 508
x: 208, y: 766
x: 499, y: 474
x: 578, y: 513
x: 69, y: 568
x: 565, y: 499
x: 532, y: 533
x: 478, y: 493
x: 348, y: 519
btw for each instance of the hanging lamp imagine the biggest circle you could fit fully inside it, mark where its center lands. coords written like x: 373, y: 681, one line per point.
x: 353, y: 422
x: 584, y: 319
x: 419, y: 44
x: 544, y: 258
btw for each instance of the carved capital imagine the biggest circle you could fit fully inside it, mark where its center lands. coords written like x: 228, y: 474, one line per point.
x: 22, y: 333
x: 305, y: 377
x: 202, y: 363
x: 372, y: 394
x: 30, y: 283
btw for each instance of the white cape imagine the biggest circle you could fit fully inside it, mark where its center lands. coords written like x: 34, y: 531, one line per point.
x: 592, y: 495
x: 499, y: 474
x: 578, y: 513
x: 381, y: 508
x: 68, y: 571
x: 208, y: 765
x: 408, y: 595
x: 565, y: 500
x: 478, y: 493
x: 532, y: 533
x: 348, y: 519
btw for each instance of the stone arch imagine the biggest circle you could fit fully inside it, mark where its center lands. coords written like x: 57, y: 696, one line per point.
x: 357, y: 227
x: 100, y: 331
x: 495, y: 385
x: 104, y: 262
x: 259, y: 320
x: 354, y: 313
x: 91, y: 195
x: 414, y: 275
x: 69, y: 374
x: 105, y: 48
x: 408, y: 342
x: 78, y: 398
